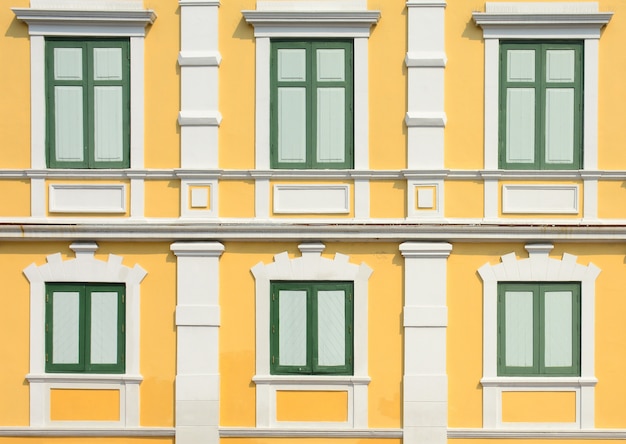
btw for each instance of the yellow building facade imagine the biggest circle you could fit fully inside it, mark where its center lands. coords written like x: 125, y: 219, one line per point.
x: 341, y: 221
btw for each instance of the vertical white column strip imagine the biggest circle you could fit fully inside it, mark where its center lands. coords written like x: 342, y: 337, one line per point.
x: 361, y: 105
x: 425, y: 397
x: 361, y: 198
x: 137, y: 102
x: 137, y: 197
x: 492, y: 46
x: 262, y: 122
x: 38, y: 204
x: 262, y: 198
x: 37, y: 102
x: 590, y: 119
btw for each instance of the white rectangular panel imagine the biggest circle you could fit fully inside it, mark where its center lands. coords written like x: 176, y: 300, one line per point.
x: 68, y: 123
x: 68, y: 63
x: 560, y: 65
x: 104, y: 327
x: 331, y: 328
x: 107, y: 63
x: 311, y: 199
x: 331, y: 65
x: 520, y: 65
x: 540, y: 199
x: 65, y: 327
x: 519, y: 328
x: 292, y: 330
x: 291, y: 65
x: 108, y: 125
x: 87, y: 198
x: 331, y: 125
x: 292, y: 124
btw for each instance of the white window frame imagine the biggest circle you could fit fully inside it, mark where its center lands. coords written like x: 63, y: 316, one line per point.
x: 538, y: 267
x: 71, y: 18
x: 311, y: 267
x: 542, y: 21
x: 312, y: 19
x: 84, y: 268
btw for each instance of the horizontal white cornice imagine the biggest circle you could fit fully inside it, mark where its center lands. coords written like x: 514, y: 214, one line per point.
x: 32, y: 16
x: 311, y: 18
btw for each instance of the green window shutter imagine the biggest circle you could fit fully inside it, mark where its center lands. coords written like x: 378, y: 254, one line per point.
x: 541, y: 105
x: 85, y: 328
x: 88, y: 103
x: 311, y: 328
x: 311, y: 117
x: 538, y: 329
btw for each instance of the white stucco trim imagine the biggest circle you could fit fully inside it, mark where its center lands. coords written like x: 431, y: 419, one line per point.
x: 311, y: 266
x: 84, y: 268
x: 538, y: 267
x: 197, y: 344
x: 425, y: 320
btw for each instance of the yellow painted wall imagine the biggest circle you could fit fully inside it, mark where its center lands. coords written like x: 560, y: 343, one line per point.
x: 84, y: 405
x: 237, y: 331
x: 316, y: 406
x: 158, y: 341
x: 388, y: 199
x: 236, y: 198
x: 464, y: 199
x: 162, y: 86
x: 611, y: 194
x: 539, y: 407
x: 162, y: 198
x: 19, y: 203
x: 14, y: 90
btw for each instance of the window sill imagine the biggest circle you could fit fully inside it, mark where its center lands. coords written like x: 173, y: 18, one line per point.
x: 541, y: 381
x: 97, y: 378
x: 311, y: 380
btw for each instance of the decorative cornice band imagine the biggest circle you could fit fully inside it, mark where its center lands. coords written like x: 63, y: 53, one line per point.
x: 33, y: 16
x: 87, y: 432
x: 425, y: 120
x: 425, y: 60
x: 215, y: 3
x: 199, y: 118
x: 197, y: 249
x: 426, y: 249
x: 244, y: 432
x: 426, y: 4
x: 311, y: 18
x: 598, y: 19
x: 194, y: 58
x: 537, y: 433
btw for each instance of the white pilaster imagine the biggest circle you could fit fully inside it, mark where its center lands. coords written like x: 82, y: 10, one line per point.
x: 199, y: 61
x: 197, y: 325
x: 425, y: 398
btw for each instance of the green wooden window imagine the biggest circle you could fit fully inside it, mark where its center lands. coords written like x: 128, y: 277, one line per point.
x: 311, y: 328
x: 539, y: 329
x: 88, y: 103
x: 85, y: 328
x: 311, y: 104
x: 541, y: 105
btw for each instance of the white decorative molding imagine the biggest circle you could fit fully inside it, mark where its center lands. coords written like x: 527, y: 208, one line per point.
x: 84, y: 268
x: 311, y: 266
x: 471, y: 433
x: 86, y: 432
x: 250, y: 432
x: 539, y: 267
x: 75, y: 198
x: 199, y: 61
x: 426, y: 59
x: 425, y: 396
x: 312, y: 19
x: 189, y: 189
x: 311, y: 199
x: 542, y: 20
x: 425, y: 206
x: 540, y: 199
x: 197, y: 344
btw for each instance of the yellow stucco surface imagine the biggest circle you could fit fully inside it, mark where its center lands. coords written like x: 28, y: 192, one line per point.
x: 314, y: 406
x: 539, y: 407
x: 236, y: 198
x: 387, y: 199
x: 464, y: 199
x: 609, y: 194
x: 19, y: 203
x: 84, y: 405
x: 162, y: 198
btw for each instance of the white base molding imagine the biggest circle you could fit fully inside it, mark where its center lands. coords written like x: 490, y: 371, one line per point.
x: 87, y: 432
x: 251, y: 432
x: 536, y: 433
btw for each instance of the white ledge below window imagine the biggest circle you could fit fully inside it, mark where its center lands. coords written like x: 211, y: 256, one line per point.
x: 311, y: 379
x: 565, y: 381
x: 91, y: 378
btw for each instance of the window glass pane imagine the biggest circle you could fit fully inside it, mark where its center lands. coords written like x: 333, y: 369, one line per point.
x: 520, y: 125
x: 331, y: 327
x: 68, y: 63
x: 559, y: 125
x: 331, y: 124
x: 291, y: 65
x: 521, y: 65
x: 519, y: 328
x: 68, y: 123
x: 331, y: 65
x: 561, y: 65
x: 107, y: 63
x: 104, y: 332
x: 292, y: 337
x: 558, y: 306
x: 291, y: 124
x: 65, y: 327
x: 108, y: 125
